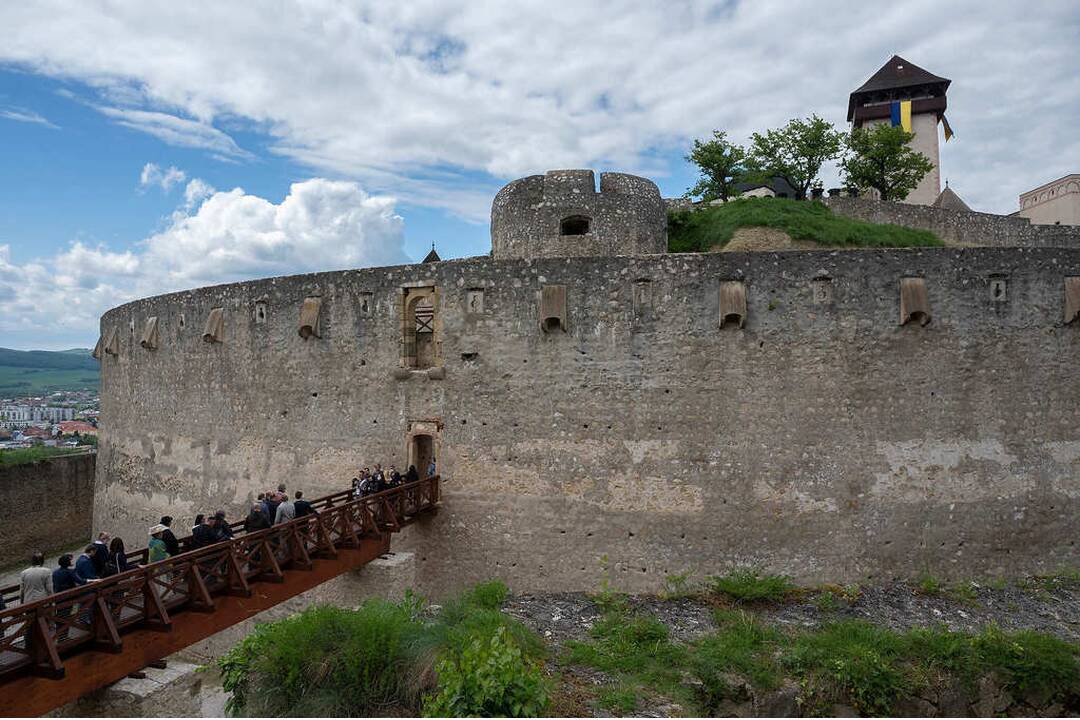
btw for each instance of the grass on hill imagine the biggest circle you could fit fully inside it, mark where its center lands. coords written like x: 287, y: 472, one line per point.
x: 37, y: 372
x: 21, y: 456
x: 712, y: 227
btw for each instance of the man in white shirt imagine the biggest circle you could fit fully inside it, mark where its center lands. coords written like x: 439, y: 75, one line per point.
x: 35, y: 582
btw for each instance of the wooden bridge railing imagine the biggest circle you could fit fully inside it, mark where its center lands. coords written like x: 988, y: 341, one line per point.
x: 36, y: 636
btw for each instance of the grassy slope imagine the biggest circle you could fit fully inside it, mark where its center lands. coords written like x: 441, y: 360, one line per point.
x: 702, y: 230
x: 34, y: 372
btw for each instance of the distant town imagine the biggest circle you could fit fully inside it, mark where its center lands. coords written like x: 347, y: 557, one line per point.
x: 65, y: 418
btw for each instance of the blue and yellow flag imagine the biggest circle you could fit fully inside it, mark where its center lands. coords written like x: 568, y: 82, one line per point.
x: 900, y: 114
x: 948, y: 130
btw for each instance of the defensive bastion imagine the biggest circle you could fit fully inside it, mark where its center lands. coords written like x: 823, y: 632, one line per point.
x: 834, y: 415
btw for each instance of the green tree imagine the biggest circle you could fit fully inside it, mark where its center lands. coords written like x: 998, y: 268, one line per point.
x: 722, y: 164
x: 881, y: 158
x: 795, y: 152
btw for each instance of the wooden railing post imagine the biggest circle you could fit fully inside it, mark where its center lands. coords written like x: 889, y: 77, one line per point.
x: 237, y: 582
x: 42, y: 647
x: 106, y: 636
x: 154, y: 613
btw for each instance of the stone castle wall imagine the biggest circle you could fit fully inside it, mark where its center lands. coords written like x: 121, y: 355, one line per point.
x: 959, y: 228
x: 820, y: 439
x: 626, y: 217
x: 49, y: 505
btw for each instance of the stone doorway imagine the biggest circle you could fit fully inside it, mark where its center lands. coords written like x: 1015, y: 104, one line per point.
x: 422, y: 446
x: 421, y: 453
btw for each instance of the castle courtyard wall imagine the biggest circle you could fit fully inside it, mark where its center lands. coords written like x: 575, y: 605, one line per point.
x: 821, y: 439
x: 48, y: 505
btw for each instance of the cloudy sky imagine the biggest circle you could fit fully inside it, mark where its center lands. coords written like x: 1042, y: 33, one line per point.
x: 152, y: 146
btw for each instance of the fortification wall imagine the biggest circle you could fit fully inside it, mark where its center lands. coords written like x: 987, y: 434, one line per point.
x: 48, y: 505
x: 820, y: 439
x: 960, y: 228
x: 531, y: 216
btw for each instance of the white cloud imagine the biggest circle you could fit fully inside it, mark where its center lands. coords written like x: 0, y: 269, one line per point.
x: 178, y: 131
x: 196, y: 191
x: 228, y: 236
x: 429, y: 99
x: 26, y: 115
x: 165, y: 179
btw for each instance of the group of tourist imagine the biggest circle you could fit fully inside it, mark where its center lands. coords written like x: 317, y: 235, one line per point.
x: 369, y: 481
x: 107, y: 556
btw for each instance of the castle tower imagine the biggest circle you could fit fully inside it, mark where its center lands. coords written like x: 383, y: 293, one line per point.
x: 561, y: 214
x: 904, y: 94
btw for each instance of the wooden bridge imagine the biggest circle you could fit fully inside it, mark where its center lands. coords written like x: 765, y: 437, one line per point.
x: 57, y: 649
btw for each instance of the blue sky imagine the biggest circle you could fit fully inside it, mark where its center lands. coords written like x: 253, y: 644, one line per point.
x: 149, y: 147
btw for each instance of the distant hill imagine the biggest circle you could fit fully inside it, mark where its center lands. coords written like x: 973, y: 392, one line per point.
x: 35, y: 372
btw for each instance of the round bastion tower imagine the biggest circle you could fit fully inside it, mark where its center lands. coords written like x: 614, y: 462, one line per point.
x: 560, y: 214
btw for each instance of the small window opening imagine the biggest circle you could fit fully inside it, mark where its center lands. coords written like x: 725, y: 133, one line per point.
x: 575, y: 225
x: 551, y: 324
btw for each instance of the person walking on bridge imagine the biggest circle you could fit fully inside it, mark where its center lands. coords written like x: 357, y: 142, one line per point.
x: 63, y: 577
x: 222, y: 531
x: 158, y: 550
x: 171, y: 543
x: 84, y: 566
x: 256, y: 519
x: 35, y: 582
x: 412, y: 475
x: 286, y: 511
x: 202, y: 534
x: 303, y: 507
x: 101, y: 557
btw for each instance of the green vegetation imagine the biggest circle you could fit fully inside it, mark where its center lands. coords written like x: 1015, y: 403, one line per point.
x: 881, y: 158
x: 794, y: 152
x: 928, y: 584
x: 678, y: 587
x: 712, y: 227
x: 390, y: 658
x: 36, y: 372
x: 21, y: 456
x: 742, y: 646
x: 636, y: 650
x: 850, y: 662
x: 749, y: 585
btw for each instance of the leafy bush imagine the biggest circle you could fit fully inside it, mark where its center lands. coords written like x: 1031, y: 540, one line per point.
x: 325, y: 661
x: 490, y: 678
x: 704, y: 229
x: 385, y: 658
x: 749, y: 585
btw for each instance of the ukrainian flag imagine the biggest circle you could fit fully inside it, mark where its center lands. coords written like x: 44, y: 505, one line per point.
x: 900, y: 114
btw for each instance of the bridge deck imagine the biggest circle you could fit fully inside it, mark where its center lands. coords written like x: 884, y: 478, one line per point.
x: 57, y: 649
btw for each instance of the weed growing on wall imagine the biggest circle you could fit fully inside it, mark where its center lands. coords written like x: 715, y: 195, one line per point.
x: 750, y: 585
